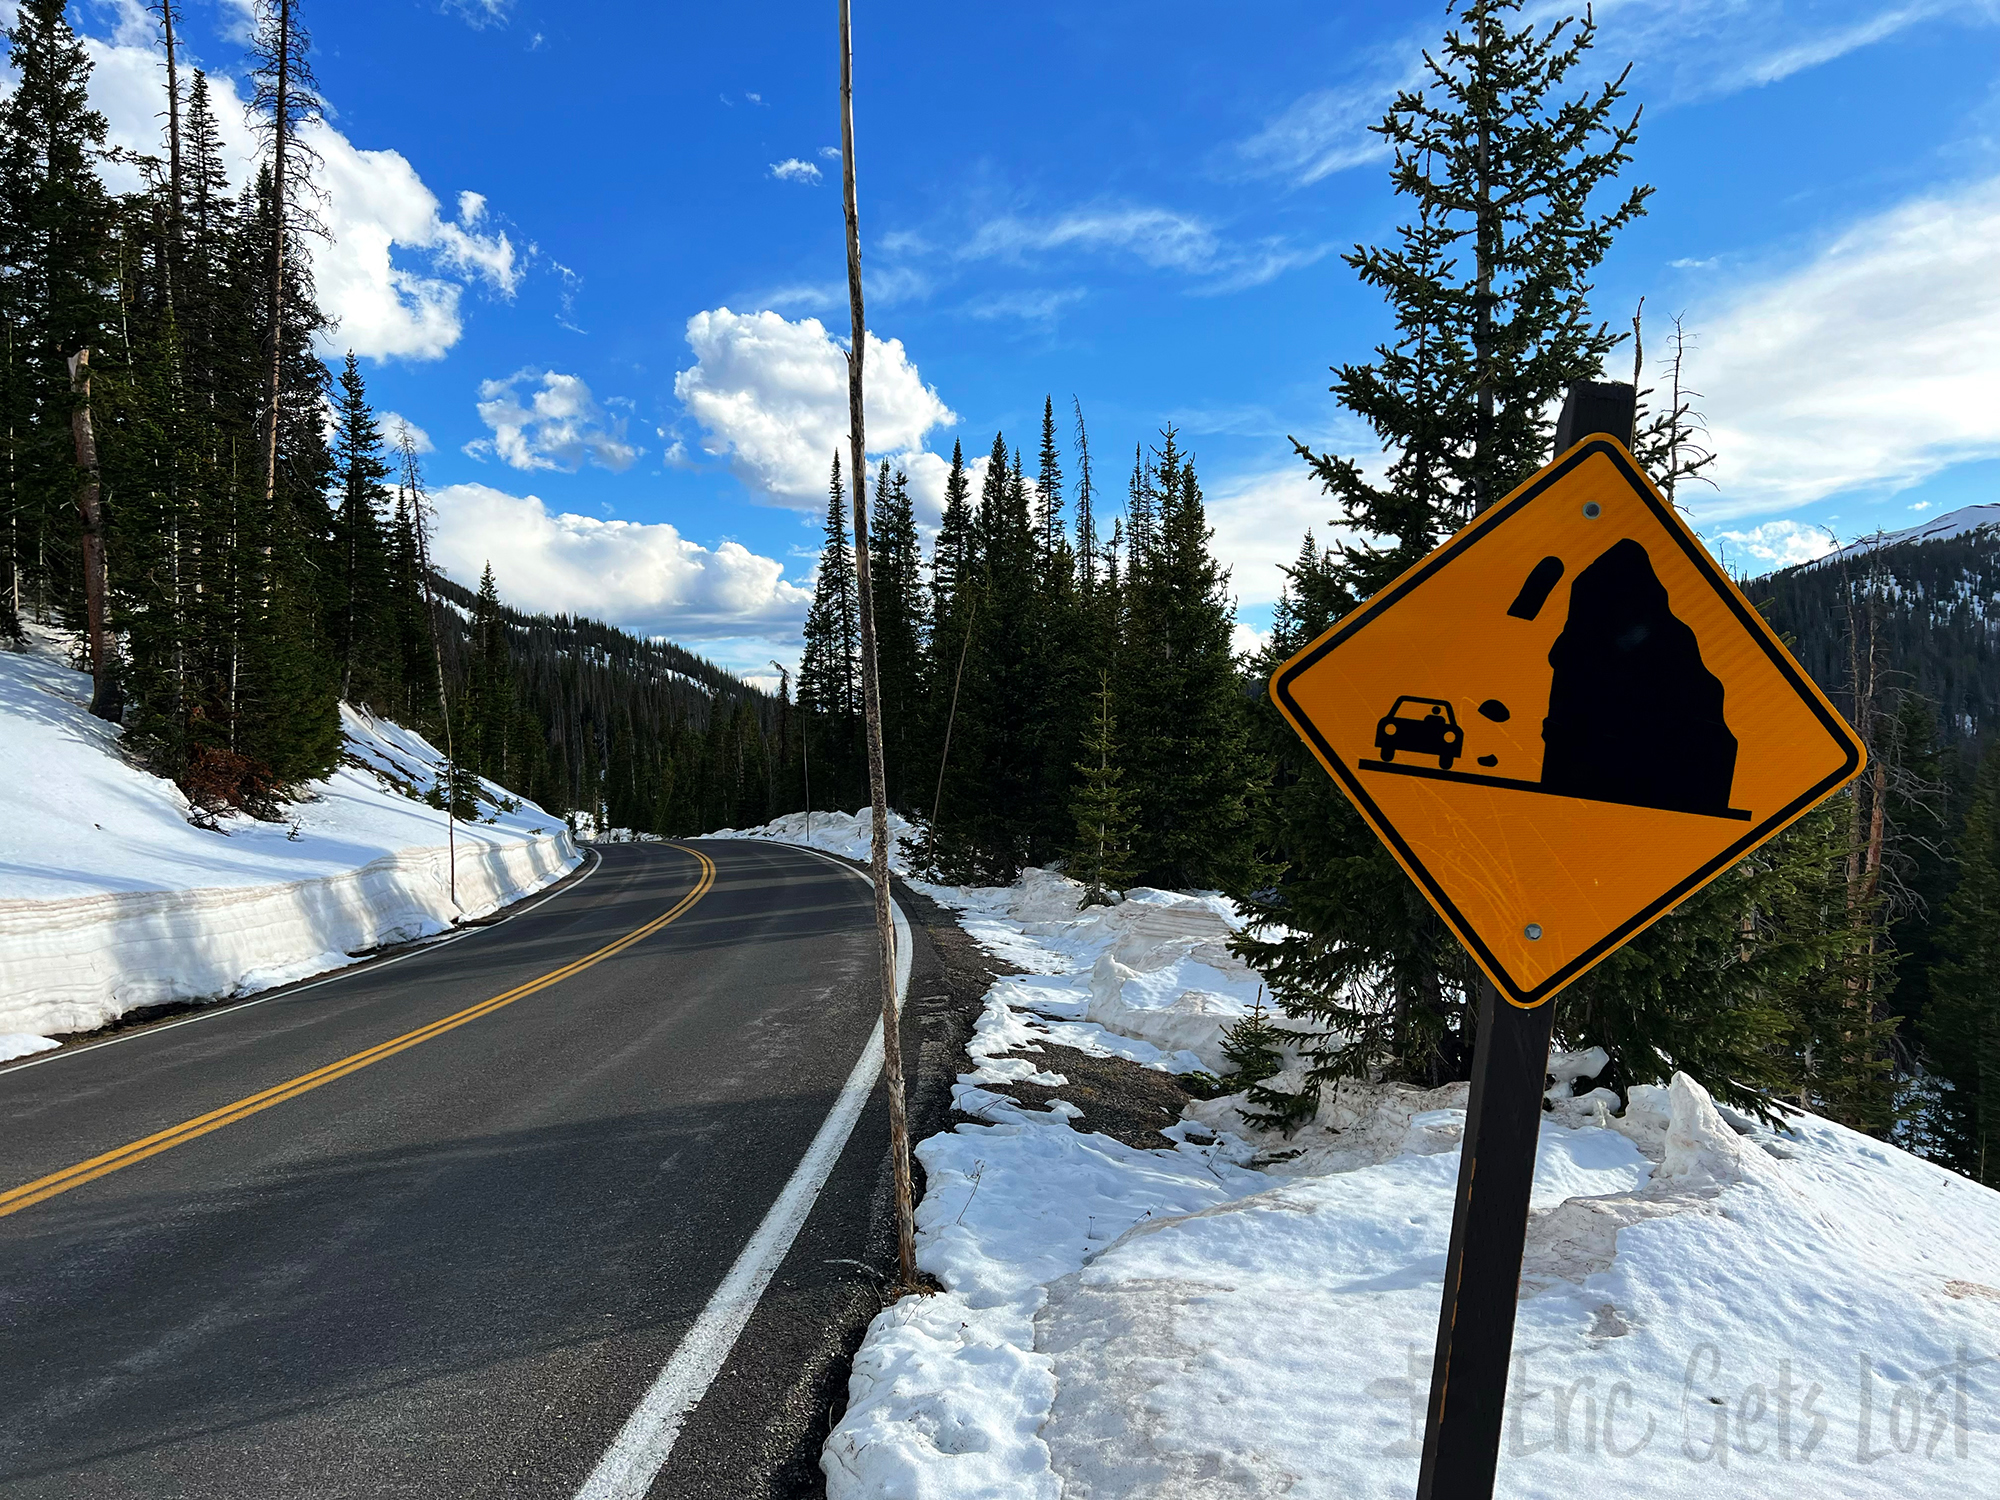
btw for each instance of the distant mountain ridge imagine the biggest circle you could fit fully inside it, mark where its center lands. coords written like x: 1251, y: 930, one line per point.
x: 1936, y: 594
x: 1947, y: 527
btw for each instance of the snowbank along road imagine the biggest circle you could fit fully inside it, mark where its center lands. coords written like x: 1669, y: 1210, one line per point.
x: 479, y: 1222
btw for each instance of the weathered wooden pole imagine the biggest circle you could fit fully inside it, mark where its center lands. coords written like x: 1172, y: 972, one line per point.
x: 871, y: 692
x: 1496, y: 1168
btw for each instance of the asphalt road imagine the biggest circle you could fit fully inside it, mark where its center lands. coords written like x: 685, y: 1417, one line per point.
x: 454, y: 1269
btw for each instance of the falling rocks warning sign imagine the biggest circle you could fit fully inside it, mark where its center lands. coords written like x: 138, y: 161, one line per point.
x: 1565, y: 720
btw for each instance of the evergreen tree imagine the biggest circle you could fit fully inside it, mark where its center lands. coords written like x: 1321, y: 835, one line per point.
x: 897, y: 584
x: 948, y: 639
x: 57, y: 288
x: 489, y: 699
x: 830, y: 667
x: 1255, y: 1049
x: 288, y: 711
x: 1488, y: 286
x: 990, y: 813
x: 1065, y: 654
x: 1962, y: 1022
x: 285, y: 100
x: 360, y: 619
x: 1185, y: 723
x: 1049, y: 491
x: 1087, y: 559
x: 1101, y: 854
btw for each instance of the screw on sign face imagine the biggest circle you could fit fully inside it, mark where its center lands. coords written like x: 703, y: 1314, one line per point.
x: 1633, y: 726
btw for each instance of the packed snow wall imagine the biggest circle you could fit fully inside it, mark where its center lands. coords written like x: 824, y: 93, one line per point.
x: 116, y: 893
x: 68, y: 966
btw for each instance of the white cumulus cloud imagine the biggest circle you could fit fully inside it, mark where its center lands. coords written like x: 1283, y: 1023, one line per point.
x: 1774, y: 544
x: 791, y: 169
x: 1871, y: 366
x: 559, y: 426
x: 771, y: 395
x: 646, y: 577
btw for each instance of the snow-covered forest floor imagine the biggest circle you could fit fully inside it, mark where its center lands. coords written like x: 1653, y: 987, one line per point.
x: 1708, y: 1304
x: 111, y: 899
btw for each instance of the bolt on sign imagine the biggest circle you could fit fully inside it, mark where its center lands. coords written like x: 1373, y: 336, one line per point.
x: 1566, y: 720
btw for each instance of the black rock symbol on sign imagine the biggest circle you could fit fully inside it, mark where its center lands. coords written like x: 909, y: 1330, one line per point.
x: 1634, y: 716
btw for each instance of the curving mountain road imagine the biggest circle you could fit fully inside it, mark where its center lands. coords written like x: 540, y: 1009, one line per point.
x: 433, y: 1228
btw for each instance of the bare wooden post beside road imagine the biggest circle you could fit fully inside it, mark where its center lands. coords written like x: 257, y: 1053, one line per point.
x: 871, y: 692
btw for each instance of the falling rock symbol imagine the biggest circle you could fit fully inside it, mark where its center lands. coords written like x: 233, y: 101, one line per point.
x: 1634, y: 716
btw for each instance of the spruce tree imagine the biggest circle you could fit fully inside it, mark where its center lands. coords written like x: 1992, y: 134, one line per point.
x: 1962, y: 1023
x: 1065, y: 659
x: 57, y: 286
x: 1100, y: 855
x: 947, y: 640
x: 1088, y: 561
x: 1186, y: 730
x: 897, y: 583
x: 829, y: 668
x: 489, y: 697
x: 360, y: 618
x: 1505, y: 172
x: 990, y: 813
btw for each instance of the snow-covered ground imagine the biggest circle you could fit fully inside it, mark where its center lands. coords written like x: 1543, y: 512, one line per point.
x: 1709, y: 1306
x: 110, y: 898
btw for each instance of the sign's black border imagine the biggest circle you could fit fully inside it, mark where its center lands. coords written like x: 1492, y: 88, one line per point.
x: 1753, y: 623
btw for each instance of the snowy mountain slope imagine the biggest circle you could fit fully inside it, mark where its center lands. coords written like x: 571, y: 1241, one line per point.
x: 1956, y: 523
x: 111, y: 899
x: 1709, y: 1306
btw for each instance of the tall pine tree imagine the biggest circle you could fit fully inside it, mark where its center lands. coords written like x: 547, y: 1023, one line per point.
x: 1505, y: 173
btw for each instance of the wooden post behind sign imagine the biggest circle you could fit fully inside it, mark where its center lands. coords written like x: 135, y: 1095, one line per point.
x: 1496, y: 1169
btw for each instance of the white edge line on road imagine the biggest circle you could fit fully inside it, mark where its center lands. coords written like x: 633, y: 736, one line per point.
x: 643, y: 1444
x: 285, y: 991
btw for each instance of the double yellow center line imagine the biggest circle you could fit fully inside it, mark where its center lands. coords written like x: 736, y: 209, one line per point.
x: 44, y: 1188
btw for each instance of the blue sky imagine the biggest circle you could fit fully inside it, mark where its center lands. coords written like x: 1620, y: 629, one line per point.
x: 609, y: 344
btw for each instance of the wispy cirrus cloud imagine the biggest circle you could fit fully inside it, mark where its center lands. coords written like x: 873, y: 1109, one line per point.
x: 1702, y: 49
x: 1040, y: 305
x: 1681, y: 51
x: 1157, y: 238
x: 1322, y: 132
x: 1870, y: 365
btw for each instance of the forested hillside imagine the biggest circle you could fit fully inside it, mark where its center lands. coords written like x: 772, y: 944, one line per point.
x: 1930, y: 608
x: 217, y: 513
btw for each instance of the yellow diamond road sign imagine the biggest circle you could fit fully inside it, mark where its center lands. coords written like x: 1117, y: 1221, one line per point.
x: 1565, y: 720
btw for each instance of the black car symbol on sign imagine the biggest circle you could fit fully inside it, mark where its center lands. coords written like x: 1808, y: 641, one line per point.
x: 1423, y: 726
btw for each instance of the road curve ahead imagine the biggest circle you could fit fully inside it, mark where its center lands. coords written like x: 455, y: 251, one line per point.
x: 432, y: 1229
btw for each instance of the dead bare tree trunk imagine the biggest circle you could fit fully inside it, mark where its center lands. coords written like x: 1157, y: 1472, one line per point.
x: 105, y: 699
x: 871, y: 691
x: 274, y: 290
x: 173, y: 151
x: 406, y: 445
